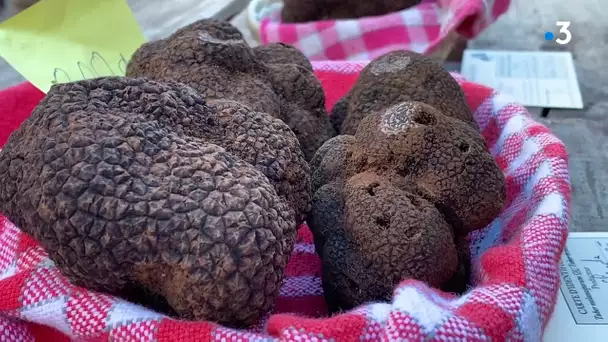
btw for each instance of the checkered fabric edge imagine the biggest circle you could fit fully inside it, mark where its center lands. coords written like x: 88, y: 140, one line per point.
x: 515, y: 260
x: 421, y: 28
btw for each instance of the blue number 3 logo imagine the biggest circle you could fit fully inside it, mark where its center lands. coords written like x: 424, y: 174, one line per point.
x: 563, y: 30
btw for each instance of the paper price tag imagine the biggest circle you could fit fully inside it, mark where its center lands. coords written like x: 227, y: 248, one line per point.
x: 581, y: 312
x: 57, y: 41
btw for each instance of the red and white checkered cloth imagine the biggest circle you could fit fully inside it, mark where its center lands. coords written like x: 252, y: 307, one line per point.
x: 421, y: 28
x: 515, y: 259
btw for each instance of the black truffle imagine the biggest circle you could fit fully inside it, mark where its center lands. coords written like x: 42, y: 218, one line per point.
x: 397, y: 77
x: 133, y: 186
x: 213, y: 58
x: 396, y: 200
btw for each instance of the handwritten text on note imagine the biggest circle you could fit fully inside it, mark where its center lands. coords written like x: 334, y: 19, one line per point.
x: 584, y: 279
x: 57, y: 41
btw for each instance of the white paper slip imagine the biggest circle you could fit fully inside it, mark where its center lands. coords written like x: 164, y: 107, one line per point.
x: 581, y: 313
x: 534, y: 78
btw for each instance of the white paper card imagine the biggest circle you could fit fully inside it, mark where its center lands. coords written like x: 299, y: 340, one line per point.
x: 536, y: 79
x: 581, y: 313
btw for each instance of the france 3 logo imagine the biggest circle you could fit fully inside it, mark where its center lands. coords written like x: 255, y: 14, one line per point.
x: 563, y: 37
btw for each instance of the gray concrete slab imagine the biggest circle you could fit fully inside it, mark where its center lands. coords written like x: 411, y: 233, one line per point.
x: 523, y: 28
x: 588, y: 150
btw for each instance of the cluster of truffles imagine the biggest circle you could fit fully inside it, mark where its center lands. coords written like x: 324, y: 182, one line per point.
x: 297, y: 11
x: 397, y: 192
x: 181, y: 186
x: 188, y: 194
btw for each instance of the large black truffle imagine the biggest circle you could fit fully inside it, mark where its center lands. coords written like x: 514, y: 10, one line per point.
x: 133, y: 186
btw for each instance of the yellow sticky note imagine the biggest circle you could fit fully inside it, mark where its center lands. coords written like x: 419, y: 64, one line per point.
x: 58, y: 41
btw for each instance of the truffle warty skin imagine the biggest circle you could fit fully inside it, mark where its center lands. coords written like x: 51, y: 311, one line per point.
x: 146, y: 191
x: 213, y: 58
x: 297, y: 11
x: 396, y: 194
